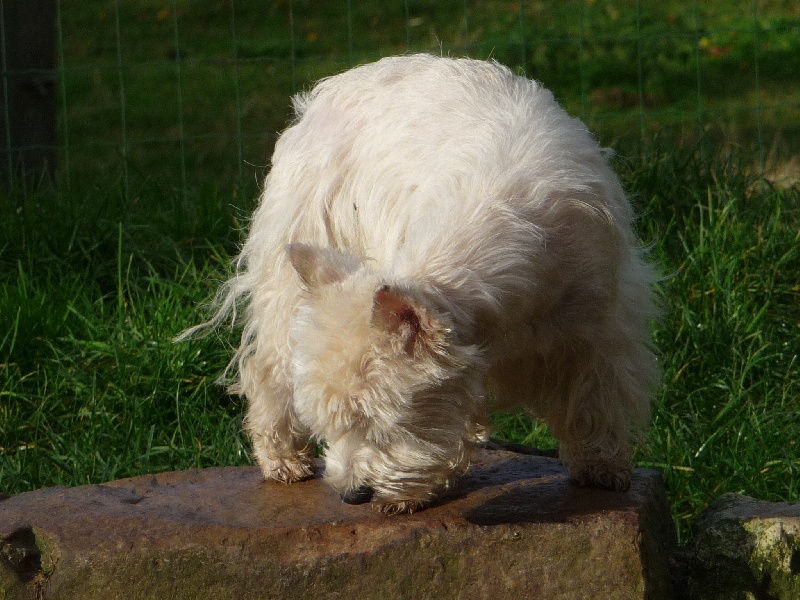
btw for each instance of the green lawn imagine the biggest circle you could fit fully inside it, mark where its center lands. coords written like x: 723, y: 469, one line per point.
x: 98, y: 273
x: 204, y: 90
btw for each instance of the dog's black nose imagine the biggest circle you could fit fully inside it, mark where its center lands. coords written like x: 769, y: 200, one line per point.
x: 359, y: 495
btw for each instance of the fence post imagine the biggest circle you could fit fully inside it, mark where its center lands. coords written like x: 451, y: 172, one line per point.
x: 28, y: 140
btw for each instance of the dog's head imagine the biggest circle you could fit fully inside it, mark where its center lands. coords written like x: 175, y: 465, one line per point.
x: 380, y: 377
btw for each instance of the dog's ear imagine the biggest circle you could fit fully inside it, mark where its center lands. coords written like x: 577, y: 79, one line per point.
x: 397, y: 314
x: 320, y: 266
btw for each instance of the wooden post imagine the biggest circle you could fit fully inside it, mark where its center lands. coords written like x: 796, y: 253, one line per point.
x: 28, y: 140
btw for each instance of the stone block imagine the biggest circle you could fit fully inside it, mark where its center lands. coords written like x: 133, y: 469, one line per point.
x: 745, y: 549
x: 513, y: 527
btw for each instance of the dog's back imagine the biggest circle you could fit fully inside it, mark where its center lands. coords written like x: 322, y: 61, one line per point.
x: 441, y: 169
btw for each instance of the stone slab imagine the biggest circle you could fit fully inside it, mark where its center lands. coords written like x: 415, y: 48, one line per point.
x: 513, y: 527
x: 745, y: 549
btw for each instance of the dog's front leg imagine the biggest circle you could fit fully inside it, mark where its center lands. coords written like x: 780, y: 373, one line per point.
x: 280, y: 445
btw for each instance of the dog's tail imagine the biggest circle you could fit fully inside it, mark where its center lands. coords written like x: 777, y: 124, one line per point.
x: 223, y: 306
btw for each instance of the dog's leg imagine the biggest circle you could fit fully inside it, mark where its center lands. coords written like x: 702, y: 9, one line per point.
x: 607, y: 376
x: 280, y: 445
x: 595, y: 401
x: 602, y: 406
x: 595, y: 449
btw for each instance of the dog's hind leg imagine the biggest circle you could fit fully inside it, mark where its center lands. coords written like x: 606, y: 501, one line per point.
x: 594, y: 399
x: 601, y: 406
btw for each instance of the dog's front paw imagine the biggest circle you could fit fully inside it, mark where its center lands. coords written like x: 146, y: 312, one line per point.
x: 398, y: 507
x: 602, y: 476
x: 288, y: 470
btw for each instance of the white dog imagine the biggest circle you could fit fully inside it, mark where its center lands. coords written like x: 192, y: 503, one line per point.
x: 437, y: 237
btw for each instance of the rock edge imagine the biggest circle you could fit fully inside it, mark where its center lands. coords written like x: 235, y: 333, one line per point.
x: 512, y: 527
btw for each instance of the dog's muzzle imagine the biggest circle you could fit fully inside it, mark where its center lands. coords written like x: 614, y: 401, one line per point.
x: 359, y: 495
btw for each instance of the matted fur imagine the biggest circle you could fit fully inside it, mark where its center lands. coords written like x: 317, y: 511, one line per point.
x: 433, y: 230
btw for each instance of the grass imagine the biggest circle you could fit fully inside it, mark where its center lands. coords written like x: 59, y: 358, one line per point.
x: 92, y: 388
x: 728, y: 418
x: 195, y: 94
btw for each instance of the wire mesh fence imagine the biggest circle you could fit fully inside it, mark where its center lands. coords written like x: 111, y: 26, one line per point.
x: 189, y: 93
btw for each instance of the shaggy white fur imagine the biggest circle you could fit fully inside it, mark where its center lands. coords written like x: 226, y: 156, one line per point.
x: 431, y: 230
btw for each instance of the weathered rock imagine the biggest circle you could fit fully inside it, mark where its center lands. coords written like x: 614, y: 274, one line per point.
x: 513, y: 527
x: 746, y: 549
